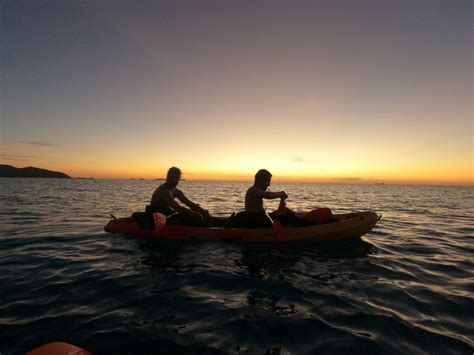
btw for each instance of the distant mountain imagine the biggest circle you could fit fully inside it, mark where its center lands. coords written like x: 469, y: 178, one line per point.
x: 11, y: 171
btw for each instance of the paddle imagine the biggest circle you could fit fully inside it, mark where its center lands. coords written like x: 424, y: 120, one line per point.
x: 160, y: 221
x: 280, y: 211
x: 281, y: 207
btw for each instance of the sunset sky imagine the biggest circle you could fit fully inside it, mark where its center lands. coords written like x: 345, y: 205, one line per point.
x: 330, y: 91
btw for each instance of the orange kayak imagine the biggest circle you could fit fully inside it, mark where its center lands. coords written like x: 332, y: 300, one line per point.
x: 347, y: 226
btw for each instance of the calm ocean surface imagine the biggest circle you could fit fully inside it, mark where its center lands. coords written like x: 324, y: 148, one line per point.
x: 408, y: 287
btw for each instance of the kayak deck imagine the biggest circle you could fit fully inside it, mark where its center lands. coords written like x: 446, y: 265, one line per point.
x: 349, y: 226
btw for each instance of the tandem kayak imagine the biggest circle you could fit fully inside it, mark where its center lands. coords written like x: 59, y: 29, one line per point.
x: 346, y: 226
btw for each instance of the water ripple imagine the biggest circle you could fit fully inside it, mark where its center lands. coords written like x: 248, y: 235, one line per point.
x: 407, y: 287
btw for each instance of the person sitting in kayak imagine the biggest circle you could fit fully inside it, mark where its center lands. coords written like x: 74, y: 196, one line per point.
x: 163, y: 200
x: 256, y: 193
x: 255, y: 215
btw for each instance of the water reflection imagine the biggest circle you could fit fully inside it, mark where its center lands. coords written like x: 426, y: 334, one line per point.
x: 267, y: 302
x: 282, y: 271
x: 266, y: 264
x: 161, y: 257
x: 345, y: 249
x: 259, y: 262
x: 271, y: 263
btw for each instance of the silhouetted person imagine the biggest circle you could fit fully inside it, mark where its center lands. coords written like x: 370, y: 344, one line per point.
x: 255, y: 215
x: 163, y: 199
x: 255, y: 194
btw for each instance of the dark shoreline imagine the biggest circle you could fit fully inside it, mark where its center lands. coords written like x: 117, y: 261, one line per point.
x: 30, y: 172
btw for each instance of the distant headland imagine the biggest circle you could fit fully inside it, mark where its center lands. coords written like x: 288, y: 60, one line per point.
x: 32, y: 172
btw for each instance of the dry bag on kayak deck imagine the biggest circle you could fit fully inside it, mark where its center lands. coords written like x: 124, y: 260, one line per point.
x: 318, y: 215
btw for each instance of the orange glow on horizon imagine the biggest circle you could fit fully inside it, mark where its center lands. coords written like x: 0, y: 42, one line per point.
x: 334, y: 167
x: 421, y: 177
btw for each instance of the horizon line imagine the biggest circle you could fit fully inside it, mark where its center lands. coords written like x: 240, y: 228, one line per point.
x: 356, y: 182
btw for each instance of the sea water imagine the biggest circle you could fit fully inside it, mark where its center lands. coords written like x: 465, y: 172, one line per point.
x: 407, y: 287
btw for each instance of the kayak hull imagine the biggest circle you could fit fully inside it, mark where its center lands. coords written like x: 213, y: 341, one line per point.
x: 352, y: 226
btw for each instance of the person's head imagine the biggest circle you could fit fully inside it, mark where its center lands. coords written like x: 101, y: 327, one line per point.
x: 263, y: 178
x: 173, y: 176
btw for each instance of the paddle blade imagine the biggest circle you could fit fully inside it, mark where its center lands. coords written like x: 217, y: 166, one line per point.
x: 277, y: 225
x: 160, y: 221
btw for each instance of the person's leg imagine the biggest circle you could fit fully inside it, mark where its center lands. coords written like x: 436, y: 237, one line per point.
x: 253, y: 220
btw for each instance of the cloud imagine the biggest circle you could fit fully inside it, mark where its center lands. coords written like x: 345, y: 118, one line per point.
x: 38, y: 143
x: 298, y: 160
x: 349, y: 179
x: 18, y: 157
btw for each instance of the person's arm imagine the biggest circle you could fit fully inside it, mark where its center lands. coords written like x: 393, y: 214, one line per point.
x: 169, y: 201
x: 272, y: 195
x: 193, y: 206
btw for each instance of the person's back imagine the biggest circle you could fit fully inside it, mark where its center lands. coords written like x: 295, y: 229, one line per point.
x: 162, y: 196
x: 254, y: 199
